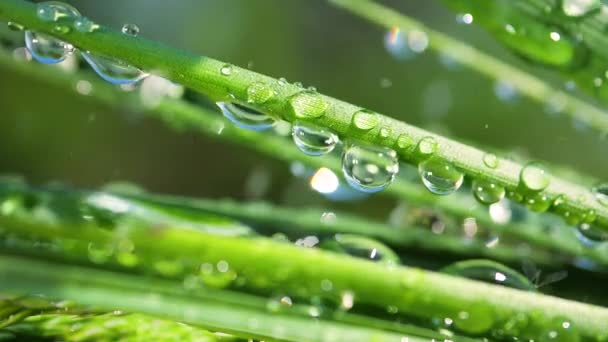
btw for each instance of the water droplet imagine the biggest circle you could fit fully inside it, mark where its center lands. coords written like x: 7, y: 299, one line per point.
x: 13, y: 26
x: 282, y: 81
x: 490, y: 160
x: 440, y: 177
x: 313, y: 140
x: 385, y: 132
x: 259, y: 92
x: 405, y: 141
x: 246, y: 117
x: 62, y: 29
x: 487, y: 192
x: 534, y: 177
x: 362, y: 247
x: 601, y: 194
x: 369, y: 168
x: 465, y: 18
x: 490, y: 272
x: 113, y: 70
x: 538, y: 202
x: 46, y: 49
x: 226, y: 70
x: 85, y: 25
x: 560, y: 329
x: 427, y: 146
x: 579, y: 8
x: 590, y: 235
x: 130, y: 29
x: 99, y: 254
x: 365, y: 119
x: 55, y: 10
x: 308, y: 105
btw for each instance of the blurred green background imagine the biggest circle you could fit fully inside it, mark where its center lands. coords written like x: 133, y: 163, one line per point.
x: 47, y: 134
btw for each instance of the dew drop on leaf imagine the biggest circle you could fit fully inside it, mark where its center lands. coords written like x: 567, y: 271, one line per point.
x: 369, y: 168
x: 490, y: 272
x: 361, y: 247
x: 440, y: 177
x: 308, y: 105
x: 534, y: 177
x: 313, y: 140
x: 113, y: 70
x: 601, y: 194
x: 47, y: 49
x: 365, y: 120
x: 590, y: 235
x: 52, y: 11
x: 487, y: 192
x: 404, y: 141
x: 490, y: 160
x: 427, y: 146
x: 130, y: 30
x: 259, y: 92
x: 245, y: 117
x: 226, y: 70
x: 85, y: 25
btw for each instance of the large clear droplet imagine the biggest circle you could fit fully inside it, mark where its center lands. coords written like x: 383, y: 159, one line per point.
x: 313, y: 140
x: 55, y: 10
x: 601, y: 193
x: 113, y: 70
x: 362, y: 247
x: 245, y: 117
x: 308, y: 105
x: 369, y: 168
x: 534, y: 177
x: 487, y: 192
x: 491, y: 272
x: 47, y: 49
x: 579, y: 8
x: 440, y: 177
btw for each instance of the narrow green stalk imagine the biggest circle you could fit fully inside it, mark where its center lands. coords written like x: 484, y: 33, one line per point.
x: 204, y: 74
x: 182, y: 115
x: 267, y: 266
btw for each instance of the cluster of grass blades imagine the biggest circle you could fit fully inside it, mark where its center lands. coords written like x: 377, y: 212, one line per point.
x: 135, y: 263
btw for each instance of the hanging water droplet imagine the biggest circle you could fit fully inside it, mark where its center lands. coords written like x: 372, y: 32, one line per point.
x: 313, y: 140
x: 259, y: 92
x: 130, y: 29
x: 427, y: 146
x: 113, y: 70
x: 579, y: 8
x: 365, y: 119
x: 308, y: 105
x: 601, y: 194
x: 490, y: 160
x: 46, y: 49
x: 369, y: 168
x: 55, y: 10
x: 246, y: 117
x: 491, y: 272
x: 13, y: 26
x: 440, y: 177
x: 85, y: 25
x: 487, y: 192
x: 534, y: 177
x: 362, y: 247
x: 590, y: 235
x: 538, y: 202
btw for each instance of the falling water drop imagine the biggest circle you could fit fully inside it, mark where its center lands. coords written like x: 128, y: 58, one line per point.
x: 245, y: 117
x: 313, y: 140
x: 491, y: 272
x: 130, y: 29
x: 55, y: 10
x: 579, y: 8
x: 308, y: 105
x: 362, y: 247
x: 440, y: 177
x: 365, y: 119
x: 369, y: 168
x: 534, y: 177
x: 487, y: 192
x: 47, y: 49
x: 113, y: 70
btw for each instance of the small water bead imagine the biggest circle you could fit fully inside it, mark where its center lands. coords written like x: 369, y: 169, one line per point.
x: 259, y: 92
x: 385, y: 132
x: 62, y: 29
x: 440, y: 177
x: 226, y: 70
x: 534, y: 177
x: 365, y: 119
x: 601, y: 194
x: 490, y: 160
x: 113, y: 70
x: 590, y: 235
x: 405, y: 141
x: 47, y: 49
x: 55, y: 10
x: 487, y: 192
x: 85, y: 25
x: 579, y: 8
x: 313, y: 140
x: 245, y: 117
x: 369, y: 168
x: 308, y: 105
x: 538, y: 202
x: 130, y: 29
x: 560, y: 330
x: 362, y: 247
x: 427, y: 146
x: 13, y: 26
x: 490, y: 272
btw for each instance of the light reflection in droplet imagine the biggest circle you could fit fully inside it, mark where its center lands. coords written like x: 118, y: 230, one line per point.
x: 324, y: 181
